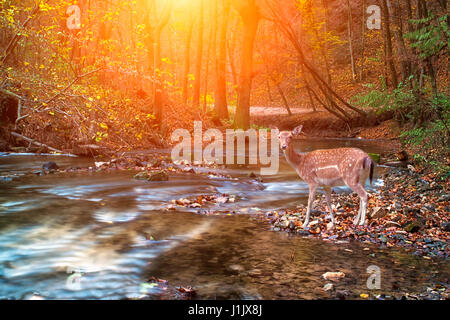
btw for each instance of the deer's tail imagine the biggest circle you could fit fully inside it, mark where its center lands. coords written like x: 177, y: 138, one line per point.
x: 369, y: 163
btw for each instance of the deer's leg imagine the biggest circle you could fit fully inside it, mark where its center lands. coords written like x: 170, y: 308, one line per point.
x: 312, y: 194
x: 358, y: 216
x: 328, y: 197
x: 364, y: 201
x: 361, y: 217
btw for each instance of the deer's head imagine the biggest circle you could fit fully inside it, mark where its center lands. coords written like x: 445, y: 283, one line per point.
x: 286, y: 137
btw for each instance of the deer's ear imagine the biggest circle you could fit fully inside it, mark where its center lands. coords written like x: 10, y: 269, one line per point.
x: 297, y: 130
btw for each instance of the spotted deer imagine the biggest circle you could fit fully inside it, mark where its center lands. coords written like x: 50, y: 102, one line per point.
x: 329, y: 168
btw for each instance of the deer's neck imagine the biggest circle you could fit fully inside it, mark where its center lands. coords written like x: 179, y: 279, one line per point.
x: 294, y: 158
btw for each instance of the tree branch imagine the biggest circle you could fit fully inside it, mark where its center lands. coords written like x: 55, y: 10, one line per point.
x: 77, y: 78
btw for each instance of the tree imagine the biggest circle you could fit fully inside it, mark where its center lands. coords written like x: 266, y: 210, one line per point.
x: 330, y: 95
x: 350, y: 38
x: 250, y: 15
x: 388, y: 44
x: 363, y: 40
x: 405, y: 64
x: 158, y: 94
x: 187, y: 59
x: 198, y: 66
x: 220, y: 95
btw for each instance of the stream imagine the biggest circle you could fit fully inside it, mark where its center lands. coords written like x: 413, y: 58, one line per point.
x: 103, y: 235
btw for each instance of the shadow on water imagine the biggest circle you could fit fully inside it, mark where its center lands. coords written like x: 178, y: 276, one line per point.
x: 101, y: 235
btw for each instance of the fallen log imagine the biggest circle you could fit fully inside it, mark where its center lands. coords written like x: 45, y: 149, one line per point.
x: 39, y: 144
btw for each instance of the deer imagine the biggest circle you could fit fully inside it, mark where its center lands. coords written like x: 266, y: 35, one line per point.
x: 328, y: 168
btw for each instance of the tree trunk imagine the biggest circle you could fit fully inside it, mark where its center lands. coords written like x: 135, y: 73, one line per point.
x: 158, y: 95
x: 410, y: 28
x: 211, y: 43
x: 394, y: 11
x: 250, y: 17
x: 388, y: 44
x: 187, y: 61
x: 220, y: 96
x: 198, y: 67
x: 350, y: 39
x: 325, y: 6
x: 311, y: 101
x: 283, y: 96
x: 423, y: 13
x: 363, y: 40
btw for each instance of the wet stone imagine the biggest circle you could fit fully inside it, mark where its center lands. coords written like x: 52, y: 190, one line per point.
x: 50, y: 166
x: 152, y: 176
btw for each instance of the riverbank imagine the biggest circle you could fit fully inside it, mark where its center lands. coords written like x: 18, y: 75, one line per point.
x: 410, y: 210
x: 321, y: 123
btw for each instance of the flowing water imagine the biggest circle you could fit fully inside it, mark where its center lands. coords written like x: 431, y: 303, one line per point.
x: 102, y: 235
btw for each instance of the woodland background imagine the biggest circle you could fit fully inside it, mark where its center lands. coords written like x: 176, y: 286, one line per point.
x: 136, y: 70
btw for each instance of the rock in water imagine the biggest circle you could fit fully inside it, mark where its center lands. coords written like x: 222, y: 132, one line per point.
x: 159, y: 176
x: 152, y: 176
x: 141, y: 175
x: 50, y: 166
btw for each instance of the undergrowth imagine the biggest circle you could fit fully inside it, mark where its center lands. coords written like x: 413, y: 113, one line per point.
x: 424, y: 119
